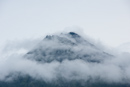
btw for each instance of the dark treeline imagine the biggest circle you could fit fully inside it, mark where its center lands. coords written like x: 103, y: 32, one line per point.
x: 29, y: 82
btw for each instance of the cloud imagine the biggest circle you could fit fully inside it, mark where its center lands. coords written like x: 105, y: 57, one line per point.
x: 110, y: 70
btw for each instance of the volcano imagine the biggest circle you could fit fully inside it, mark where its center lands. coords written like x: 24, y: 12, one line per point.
x: 67, y: 50
x: 68, y: 46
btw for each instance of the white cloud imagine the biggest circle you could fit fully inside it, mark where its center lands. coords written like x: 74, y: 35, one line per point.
x: 12, y: 60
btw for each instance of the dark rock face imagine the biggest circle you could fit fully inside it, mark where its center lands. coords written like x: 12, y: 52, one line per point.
x: 74, y: 35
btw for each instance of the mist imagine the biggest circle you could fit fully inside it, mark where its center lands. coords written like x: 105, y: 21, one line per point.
x: 109, y: 70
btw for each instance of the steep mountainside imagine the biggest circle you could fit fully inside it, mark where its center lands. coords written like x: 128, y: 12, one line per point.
x: 69, y: 46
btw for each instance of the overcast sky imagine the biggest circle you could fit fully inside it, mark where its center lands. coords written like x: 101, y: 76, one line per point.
x: 24, y: 22
x: 106, y: 20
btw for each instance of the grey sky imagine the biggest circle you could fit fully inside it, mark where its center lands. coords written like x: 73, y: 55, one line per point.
x: 107, y: 20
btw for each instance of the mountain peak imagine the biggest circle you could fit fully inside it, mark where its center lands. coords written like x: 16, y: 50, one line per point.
x: 69, y: 46
x: 70, y: 34
x: 73, y: 34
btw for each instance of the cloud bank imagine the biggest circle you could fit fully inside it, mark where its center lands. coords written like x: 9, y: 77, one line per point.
x: 13, y: 61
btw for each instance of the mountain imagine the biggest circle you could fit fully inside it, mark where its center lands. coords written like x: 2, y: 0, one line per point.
x: 60, y: 48
x: 69, y: 46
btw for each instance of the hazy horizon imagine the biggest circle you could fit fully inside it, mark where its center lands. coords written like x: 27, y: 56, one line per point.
x: 107, y: 21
